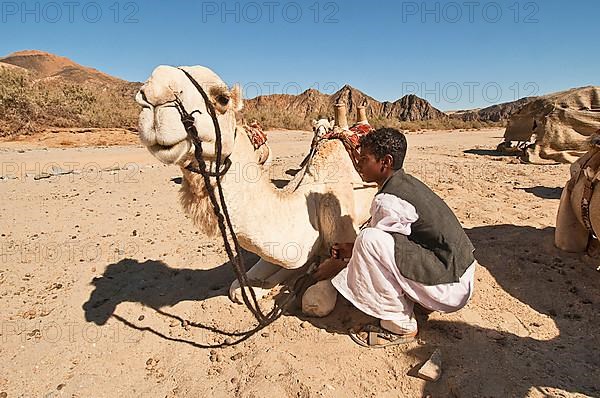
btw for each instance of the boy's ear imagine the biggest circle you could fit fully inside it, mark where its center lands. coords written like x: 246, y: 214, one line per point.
x: 388, y: 160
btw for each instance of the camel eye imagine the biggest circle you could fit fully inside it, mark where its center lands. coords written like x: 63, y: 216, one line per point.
x: 222, y: 100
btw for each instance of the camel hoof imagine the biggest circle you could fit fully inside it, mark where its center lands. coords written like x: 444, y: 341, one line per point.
x: 235, y: 293
x: 319, y: 299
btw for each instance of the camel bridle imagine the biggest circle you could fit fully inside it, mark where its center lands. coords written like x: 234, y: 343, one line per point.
x: 188, y: 123
x: 319, y: 129
x: 222, y: 213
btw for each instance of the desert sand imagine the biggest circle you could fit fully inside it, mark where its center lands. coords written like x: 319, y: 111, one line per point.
x: 108, y: 290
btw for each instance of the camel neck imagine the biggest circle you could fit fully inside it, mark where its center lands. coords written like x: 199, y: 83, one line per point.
x: 268, y: 221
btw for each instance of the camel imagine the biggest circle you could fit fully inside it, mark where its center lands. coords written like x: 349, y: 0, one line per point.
x: 324, y: 126
x: 321, y: 127
x: 572, y: 234
x: 287, y: 228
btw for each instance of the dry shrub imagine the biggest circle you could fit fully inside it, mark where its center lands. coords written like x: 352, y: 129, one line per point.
x: 27, y: 105
x: 278, y: 118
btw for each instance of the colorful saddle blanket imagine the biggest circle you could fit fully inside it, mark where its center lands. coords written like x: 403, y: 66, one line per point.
x: 351, y: 139
x: 353, y: 134
x: 256, y: 134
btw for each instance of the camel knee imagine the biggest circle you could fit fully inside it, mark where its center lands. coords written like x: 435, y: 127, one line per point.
x: 319, y: 299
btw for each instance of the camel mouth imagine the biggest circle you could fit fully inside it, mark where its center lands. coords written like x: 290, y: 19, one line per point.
x: 171, y: 154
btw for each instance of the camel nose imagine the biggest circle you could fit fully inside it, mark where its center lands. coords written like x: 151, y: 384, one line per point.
x: 142, y: 100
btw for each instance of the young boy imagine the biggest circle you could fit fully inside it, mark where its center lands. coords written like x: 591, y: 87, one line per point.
x: 414, y: 250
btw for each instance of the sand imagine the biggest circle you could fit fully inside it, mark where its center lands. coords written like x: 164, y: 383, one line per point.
x: 108, y: 290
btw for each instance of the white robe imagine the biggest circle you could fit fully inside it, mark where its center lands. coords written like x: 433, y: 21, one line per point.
x: 372, y: 281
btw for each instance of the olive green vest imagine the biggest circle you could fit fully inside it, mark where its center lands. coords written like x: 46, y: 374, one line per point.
x: 438, y: 250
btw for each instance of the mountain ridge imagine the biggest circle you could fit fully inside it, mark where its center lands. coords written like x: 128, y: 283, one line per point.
x: 63, y: 76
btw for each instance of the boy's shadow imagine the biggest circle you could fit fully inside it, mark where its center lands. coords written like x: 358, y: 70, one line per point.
x: 480, y: 361
x: 556, y: 285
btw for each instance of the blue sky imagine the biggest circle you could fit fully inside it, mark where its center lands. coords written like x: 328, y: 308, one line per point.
x: 457, y: 55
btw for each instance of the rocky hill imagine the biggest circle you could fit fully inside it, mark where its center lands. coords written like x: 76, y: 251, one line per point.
x: 296, y: 111
x: 40, y: 90
x: 494, y: 113
x: 46, y: 66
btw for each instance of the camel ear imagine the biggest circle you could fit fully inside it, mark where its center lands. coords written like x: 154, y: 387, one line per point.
x: 237, y: 102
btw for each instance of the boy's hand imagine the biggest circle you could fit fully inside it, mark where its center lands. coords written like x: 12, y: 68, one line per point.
x: 342, y: 250
x: 329, y: 268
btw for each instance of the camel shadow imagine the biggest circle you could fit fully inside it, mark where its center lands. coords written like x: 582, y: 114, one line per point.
x: 154, y: 284
x: 543, y: 192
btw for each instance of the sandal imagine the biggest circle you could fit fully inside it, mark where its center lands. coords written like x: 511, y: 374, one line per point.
x: 373, y: 336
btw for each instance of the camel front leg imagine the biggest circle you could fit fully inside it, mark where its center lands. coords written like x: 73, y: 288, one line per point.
x: 570, y: 235
x: 263, y: 277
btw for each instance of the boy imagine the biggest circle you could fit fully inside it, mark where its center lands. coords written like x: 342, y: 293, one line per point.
x: 414, y: 250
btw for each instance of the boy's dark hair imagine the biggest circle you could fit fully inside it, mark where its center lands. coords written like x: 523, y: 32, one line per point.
x: 386, y: 141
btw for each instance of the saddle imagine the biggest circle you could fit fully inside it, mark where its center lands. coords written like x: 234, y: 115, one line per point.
x: 351, y: 139
x: 259, y: 140
x: 256, y: 134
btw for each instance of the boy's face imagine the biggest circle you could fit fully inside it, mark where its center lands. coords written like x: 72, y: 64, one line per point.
x: 369, y: 168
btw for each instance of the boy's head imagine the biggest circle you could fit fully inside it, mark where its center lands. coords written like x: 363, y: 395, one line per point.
x: 382, y: 152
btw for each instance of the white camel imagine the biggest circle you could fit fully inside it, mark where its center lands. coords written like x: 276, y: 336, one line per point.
x: 285, y: 228
x: 321, y: 127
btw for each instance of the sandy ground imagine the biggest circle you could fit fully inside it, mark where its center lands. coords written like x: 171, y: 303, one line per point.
x: 107, y: 289
x: 71, y: 137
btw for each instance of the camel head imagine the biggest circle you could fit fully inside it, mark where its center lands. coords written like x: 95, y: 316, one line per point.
x: 322, y: 126
x: 160, y: 126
